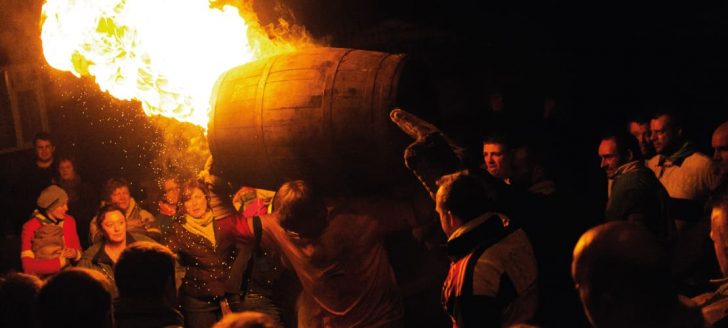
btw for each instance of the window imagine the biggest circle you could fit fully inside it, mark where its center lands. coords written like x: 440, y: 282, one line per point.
x: 22, y: 107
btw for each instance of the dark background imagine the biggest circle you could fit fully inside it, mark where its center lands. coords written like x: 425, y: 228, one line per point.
x: 599, y: 62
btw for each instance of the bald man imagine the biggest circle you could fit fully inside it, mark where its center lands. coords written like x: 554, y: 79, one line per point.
x: 715, y: 304
x: 623, y: 280
x: 720, y: 155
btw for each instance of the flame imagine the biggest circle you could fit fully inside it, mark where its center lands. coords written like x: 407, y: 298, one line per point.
x: 165, y: 53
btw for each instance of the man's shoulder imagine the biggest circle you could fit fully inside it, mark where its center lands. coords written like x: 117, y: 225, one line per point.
x: 653, y: 163
x: 514, y: 244
x: 351, y: 229
x: 512, y: 256
x: 639, y: 177
x: 698, y: 159
x: 141, y: 212
x: 32, y: 169
x: 145, y: 213
x: 353, y: 222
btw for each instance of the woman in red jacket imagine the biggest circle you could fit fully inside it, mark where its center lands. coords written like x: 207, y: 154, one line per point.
x: 49, y: 241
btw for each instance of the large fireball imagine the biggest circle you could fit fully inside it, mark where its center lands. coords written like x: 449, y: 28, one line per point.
x: 165, y: 53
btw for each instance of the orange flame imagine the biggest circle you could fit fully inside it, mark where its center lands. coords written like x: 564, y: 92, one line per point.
x: 165, y: 53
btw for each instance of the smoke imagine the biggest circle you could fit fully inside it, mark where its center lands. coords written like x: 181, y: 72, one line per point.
x: 182, y: 148
x: 275, y: 23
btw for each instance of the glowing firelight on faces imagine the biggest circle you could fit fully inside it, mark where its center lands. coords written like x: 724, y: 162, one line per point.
x: 165, y: 53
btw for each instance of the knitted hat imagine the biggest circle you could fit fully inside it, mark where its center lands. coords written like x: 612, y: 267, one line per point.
x: 51, y: 197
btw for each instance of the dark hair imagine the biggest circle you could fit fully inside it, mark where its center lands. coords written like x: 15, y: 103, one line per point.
x: 144, y: 269
x: 67, y: 158
x: 498, y: 138
x: 76, y: 298
x: 43, y: 136
x: 247, y: 319
x: 186, y: 194
x: 625, y: 142
x: 467, y: 195
x: 301, y: 208
x: 639, y: 117
x: 162, y: 192
x: 18, y: 294
x: 675, y: 119
x: 719, y: 200
x: 112, y: 184
x: 101, y: 214
x: 190, y: 185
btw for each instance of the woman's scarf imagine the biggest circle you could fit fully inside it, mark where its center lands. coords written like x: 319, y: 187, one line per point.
x: 201, y: 226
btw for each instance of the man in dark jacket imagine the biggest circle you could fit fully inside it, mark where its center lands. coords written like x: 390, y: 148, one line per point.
x: 33, y: 178
x: 492, y: 280
x: 635, y: 194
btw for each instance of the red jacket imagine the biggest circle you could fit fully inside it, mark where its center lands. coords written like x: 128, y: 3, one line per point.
x: 47, y: 266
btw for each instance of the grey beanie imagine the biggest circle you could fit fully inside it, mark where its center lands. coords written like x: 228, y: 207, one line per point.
x: 51, y: 197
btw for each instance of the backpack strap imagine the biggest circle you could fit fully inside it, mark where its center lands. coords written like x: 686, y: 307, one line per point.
x: 244, y: 262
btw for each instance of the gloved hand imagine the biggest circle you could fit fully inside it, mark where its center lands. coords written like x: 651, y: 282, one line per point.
x: 220, y: 190
x: 432, y: 154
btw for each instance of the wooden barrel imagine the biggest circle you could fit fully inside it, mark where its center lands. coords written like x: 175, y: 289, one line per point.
x: 319, y: 114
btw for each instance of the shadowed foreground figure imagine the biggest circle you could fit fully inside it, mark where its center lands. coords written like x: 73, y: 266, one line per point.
x: 76, y: 298
x: 623, y: 280
x: 338, y: 257
x: 18, y: 294
x: 145, y: 279
x: 715, y: 304
x: 247, y: 319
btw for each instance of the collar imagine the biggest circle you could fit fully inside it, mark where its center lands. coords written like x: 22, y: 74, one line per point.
x: 46, y: 219
x: 130, y: 209
x: 103, y: 258
x: 470, y: 225
x: 628, y: 167
x: 678, y: 157
x: 167, y: 209
x: 484, y: 230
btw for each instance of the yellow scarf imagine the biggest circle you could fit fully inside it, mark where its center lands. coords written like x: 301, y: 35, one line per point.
x: 201, y: 226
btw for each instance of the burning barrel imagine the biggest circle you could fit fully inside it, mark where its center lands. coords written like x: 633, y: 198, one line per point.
x: 318, y: 114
